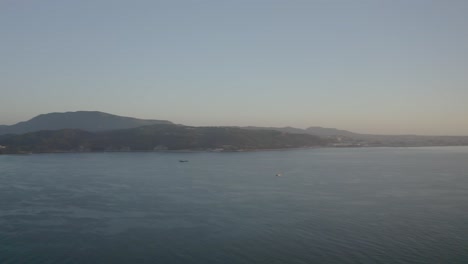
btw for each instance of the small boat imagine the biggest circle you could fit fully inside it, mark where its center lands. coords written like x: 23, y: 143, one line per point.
x: 183, y: 160
x: 279, y: 174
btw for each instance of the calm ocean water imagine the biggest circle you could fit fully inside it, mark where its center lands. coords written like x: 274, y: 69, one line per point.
x: 363, y: 205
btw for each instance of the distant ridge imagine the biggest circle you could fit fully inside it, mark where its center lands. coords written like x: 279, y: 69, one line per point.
x: 95, y: 121
x: 324, y: 131
x: 85, y: 120
x: 348, y: 138
x: 317, y: 131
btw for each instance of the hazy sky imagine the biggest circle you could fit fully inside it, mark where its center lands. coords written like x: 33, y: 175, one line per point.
x: 368, y: 66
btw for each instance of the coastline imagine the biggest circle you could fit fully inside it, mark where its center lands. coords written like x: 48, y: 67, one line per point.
x: 221, y: 151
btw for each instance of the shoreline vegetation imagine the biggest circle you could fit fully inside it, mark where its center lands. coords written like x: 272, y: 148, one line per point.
x: 179, y: 138
x: 164, y: 151
x: 212, y: 151
x: 156, y: 138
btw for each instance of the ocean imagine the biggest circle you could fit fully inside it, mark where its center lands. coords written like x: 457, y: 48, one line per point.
x: 329, y: 205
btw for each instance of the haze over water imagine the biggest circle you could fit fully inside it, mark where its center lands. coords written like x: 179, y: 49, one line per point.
x: 367, y: 205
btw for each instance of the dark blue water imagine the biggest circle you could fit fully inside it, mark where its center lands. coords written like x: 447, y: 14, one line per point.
x: 365, y: 205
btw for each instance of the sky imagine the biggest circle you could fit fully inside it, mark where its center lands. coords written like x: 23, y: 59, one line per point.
x: 384, y: 67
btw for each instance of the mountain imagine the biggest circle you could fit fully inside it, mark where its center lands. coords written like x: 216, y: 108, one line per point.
x: 155, y: 137
x: 84, y: 120
x: 239, y: 138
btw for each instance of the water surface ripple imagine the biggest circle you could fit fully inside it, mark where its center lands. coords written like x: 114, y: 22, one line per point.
x: 364, y: 205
